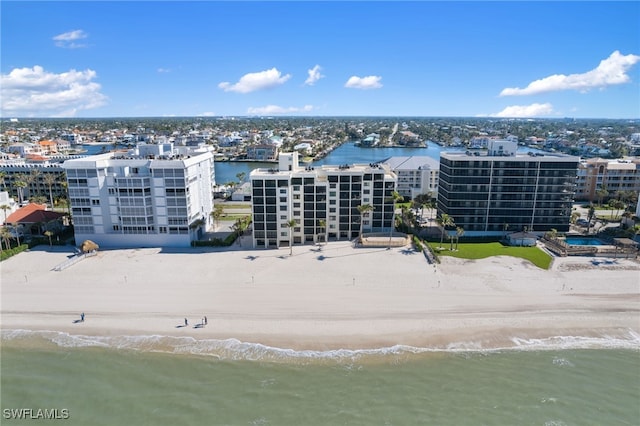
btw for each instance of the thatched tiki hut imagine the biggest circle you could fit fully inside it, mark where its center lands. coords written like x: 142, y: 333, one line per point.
x: 89, y: 246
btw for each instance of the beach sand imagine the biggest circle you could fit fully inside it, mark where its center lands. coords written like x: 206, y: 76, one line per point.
x: 323, y: 298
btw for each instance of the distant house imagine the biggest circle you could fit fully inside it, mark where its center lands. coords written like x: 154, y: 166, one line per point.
x: 262, y: 152
x: 34, y: 219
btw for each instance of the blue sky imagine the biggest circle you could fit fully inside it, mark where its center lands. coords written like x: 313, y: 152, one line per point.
x: 363, y: 58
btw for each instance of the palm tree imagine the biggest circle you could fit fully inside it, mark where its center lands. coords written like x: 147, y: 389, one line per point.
x: 617, y: 205
x: 6, y: 237
x: 423, y: 200
x: 49, y: 234
x: 590, y: 215
x: 21, y: 185
x: 65, y: 187
x: 3, y: 181
x: 395, y: 197
x: 35, y: 177
x: 602, y: 193
x: 15, y: 228
x: 323, y: 225
x: 291, y: 224
x: 444, y: 220
x: 217, y: 213
x: 505, y: 228
x: 49, y: 180
x: 241, y: 177
x: 4, y: 209
x: 459, y: 233
x: 364, y: 210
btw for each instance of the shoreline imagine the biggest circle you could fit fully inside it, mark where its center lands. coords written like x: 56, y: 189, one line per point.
x: 329, y: 299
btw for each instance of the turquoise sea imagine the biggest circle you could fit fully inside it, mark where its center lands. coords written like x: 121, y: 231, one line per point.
x: 153, y: 380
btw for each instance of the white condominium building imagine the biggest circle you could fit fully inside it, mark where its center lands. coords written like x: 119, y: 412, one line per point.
x: 323, y: 201
x: 416, y: 175
x: 151, y: 196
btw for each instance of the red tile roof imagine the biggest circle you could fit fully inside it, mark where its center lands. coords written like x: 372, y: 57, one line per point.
x: 33, y: 213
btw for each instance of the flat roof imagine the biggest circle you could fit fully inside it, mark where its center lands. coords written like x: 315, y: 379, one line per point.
x: 457, y: 155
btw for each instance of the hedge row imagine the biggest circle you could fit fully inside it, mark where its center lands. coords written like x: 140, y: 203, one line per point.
x: 13, y: 251
x: 417, y: 243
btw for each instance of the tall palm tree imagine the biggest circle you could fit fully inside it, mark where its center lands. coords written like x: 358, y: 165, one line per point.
x: 241, y: 177
x: 444, y: 220
x: 6, y: 237
x: 291, y: 224
x: 217, y: 213
x: 49, y: 234
x: 20, y: 185
x: 590, y: 215
x: 3, y: 181
x: 395, y: 197
x: 602, y: 193
x: 49, y: 180
x: 35, y: 177
x: 65, y: 187
x: 4, y: 209
x: 459, y: 233
x: 364, y: 210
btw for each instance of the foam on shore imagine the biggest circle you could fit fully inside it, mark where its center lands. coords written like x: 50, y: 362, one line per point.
x: 234, y: 349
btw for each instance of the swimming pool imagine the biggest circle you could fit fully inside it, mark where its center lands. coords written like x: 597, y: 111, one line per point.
x: 583, y: 241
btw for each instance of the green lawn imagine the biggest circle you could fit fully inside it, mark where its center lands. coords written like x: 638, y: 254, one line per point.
x: 484, y: 250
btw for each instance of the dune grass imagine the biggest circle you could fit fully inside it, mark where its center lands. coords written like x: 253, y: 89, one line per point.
x: 483, y: 250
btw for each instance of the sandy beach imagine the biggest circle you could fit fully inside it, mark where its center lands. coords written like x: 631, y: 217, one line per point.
x: 323, y: 298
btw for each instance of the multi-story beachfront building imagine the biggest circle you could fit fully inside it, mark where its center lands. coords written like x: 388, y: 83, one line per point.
x: 44, y: 178
x: 151, y: 196
x: 613, y: 175
x: 501, y: 190
x: 416, y: 175
x: 323, y: 201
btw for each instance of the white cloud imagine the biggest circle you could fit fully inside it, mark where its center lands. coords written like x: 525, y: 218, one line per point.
x: 369, y: 82
x: 207, y: 114
x: 68, y: 39
x: 525, y: 111
x: 36, y: 92
x: 256, y: 81
x: 275, y: 109
x: 610, y: 71
x: 314, y: 75
x: 164, y: 70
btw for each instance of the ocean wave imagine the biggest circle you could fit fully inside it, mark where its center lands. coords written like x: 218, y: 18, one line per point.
x: 234, y: 349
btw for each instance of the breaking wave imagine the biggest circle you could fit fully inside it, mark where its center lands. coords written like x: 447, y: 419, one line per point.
x: 234, y: 349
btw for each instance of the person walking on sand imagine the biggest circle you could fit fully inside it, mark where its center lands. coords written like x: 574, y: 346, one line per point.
x: 186, y: 323
x: 82, y: 317
x: 205, y: 321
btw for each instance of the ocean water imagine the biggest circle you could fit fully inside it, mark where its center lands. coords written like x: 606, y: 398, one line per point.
x: 153, y: 380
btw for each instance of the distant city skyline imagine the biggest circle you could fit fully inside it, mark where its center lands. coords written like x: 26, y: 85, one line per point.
x: 361, y: 58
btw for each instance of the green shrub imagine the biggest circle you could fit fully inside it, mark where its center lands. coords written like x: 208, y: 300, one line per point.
x: 417, y: 243
x: 13, y: 251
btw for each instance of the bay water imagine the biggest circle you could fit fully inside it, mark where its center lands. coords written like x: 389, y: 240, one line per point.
x: 153, y: 380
